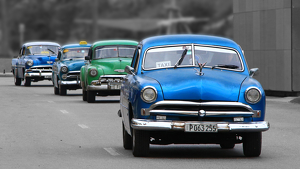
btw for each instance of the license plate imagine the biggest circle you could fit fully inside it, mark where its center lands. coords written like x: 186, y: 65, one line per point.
x: 201, y: 127
x: 115, y: 86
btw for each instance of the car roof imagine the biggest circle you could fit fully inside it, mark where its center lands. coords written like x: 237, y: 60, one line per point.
x: 41, y: 43
x: 76, y: 46
x: 114, y: 42
x: 188, y: 39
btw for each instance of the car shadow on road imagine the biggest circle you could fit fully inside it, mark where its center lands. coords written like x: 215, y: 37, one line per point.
x: 107, y: 101
x: 194, y: 151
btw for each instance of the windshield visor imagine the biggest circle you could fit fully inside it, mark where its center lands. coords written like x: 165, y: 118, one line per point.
x: 114, y: 52
x: 41, y: 50
x: 76, y: 53
x: 167, y: 57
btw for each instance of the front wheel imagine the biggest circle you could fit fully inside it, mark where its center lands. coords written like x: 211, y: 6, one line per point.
x: 56, y: 90
x: 84, y: 95
x: 90, y: 96
x: 62, y: 90
x: 252, y: 144
x: 27, y: 81
x: 17, y: 81
x: 127, y: 139
x: 140, y: 143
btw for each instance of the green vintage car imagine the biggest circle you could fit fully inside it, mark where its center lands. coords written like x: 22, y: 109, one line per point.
x: 103, y: 73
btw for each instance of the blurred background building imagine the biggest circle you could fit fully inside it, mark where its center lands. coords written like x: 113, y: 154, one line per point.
x: 268, y: 31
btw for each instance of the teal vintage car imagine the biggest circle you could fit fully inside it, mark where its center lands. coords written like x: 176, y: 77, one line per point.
x: 66, y: 68
x: 104, y: 71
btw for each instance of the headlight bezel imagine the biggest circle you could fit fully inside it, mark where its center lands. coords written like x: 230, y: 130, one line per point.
x: 151, y: 88
x: 93, y: 70
x: 29, y: 62
x: 64, y: 69
x: 251, y: 101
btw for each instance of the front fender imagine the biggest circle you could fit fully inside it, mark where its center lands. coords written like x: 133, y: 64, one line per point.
x: 261, y: 105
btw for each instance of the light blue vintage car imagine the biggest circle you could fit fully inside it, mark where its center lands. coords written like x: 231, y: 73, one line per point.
x: 67, y: 65
x: 34, y: 62
x: 191, y: 89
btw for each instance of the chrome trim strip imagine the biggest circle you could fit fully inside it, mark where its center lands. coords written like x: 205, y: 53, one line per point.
x: 29, y: 74
x: 196, y: 113
x: 146, y: 124
x: 74, y: 82
x: 39, y: 66
x: 112, y: 76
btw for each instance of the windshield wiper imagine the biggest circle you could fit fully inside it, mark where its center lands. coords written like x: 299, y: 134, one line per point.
x: 52, y: 51
x: 226, y: 66
x: 180, y: 59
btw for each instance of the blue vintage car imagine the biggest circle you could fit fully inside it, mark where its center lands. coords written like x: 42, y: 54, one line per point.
x: 191, y: 89
x: 67, y: 65
x: 34, y: 62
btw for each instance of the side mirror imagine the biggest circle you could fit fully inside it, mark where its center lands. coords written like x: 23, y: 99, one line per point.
x: 87, y: 58
x: 253, y: 72
x: 129, y: 70
x: 56, y: 59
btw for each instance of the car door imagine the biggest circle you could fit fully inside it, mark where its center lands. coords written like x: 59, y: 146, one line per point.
x: 21, y: 63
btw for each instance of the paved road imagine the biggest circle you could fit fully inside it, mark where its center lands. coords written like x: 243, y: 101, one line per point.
x: 41, y: 130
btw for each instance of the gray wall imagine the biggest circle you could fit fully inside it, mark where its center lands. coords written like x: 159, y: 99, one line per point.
x: 267, y: 31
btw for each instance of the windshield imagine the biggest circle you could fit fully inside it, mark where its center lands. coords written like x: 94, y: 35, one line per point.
x: 75, y: 53
x: 114, y: 52
x: 168, y: 57
x: 213, y: 57
x: 218, y: 57
x: 41, y: 50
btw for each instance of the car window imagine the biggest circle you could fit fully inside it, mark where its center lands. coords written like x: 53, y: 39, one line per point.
x: 167, y: 57
x: 218, y: 57
x: 114, y: 52
x: 75, y: 53
x: 41, y: 50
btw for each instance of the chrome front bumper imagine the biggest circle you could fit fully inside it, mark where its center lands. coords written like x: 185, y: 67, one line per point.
x: 73, y: 82
x: 154, y: 125
x: 46, y: 75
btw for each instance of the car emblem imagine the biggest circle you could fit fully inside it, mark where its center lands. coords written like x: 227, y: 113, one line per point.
x: 202, y: 113
x: 119, y: 70
x: 200, y: 73
x: 49, y: 62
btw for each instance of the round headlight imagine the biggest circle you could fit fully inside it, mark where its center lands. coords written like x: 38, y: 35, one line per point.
x: 252, y: 95
x: 93, y: 72
x: 29, y: 62
x: 149, y: 94
x: 64, y: 69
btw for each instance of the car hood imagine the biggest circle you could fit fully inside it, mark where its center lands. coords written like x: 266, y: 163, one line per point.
x: 42, y: 59
x: 74, y: 65
x: 112, y: 65
x: 186, y: 84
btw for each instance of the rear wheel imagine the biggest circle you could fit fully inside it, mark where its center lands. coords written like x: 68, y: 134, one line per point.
x: 27, y: 81
x: 140, y: 143
x: 127, y: 139
x: 90, y: 96
x: 252, y: 144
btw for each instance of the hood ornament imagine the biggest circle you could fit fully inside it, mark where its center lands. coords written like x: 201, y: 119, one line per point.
x: 201, y: 65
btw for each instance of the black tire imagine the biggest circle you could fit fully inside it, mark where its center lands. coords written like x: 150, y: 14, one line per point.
x: 127, y: 139
x: 90, y: 96
x: 27, y: 81
x: 227, y: 145
x: 17, y: 81
x: 84, y: 95
x: 252, y: 144
x: 140, y: 143
x: 62, y: 90
x: 56, y: 90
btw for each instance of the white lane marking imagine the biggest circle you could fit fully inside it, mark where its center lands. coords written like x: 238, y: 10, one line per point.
x: 112, y: 151
x: 83, y: 126
x: 64, y: 111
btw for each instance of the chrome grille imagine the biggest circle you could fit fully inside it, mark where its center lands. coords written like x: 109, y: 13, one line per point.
x: 39, y: 69
x: 208, y: 109
x: 106, y: 79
